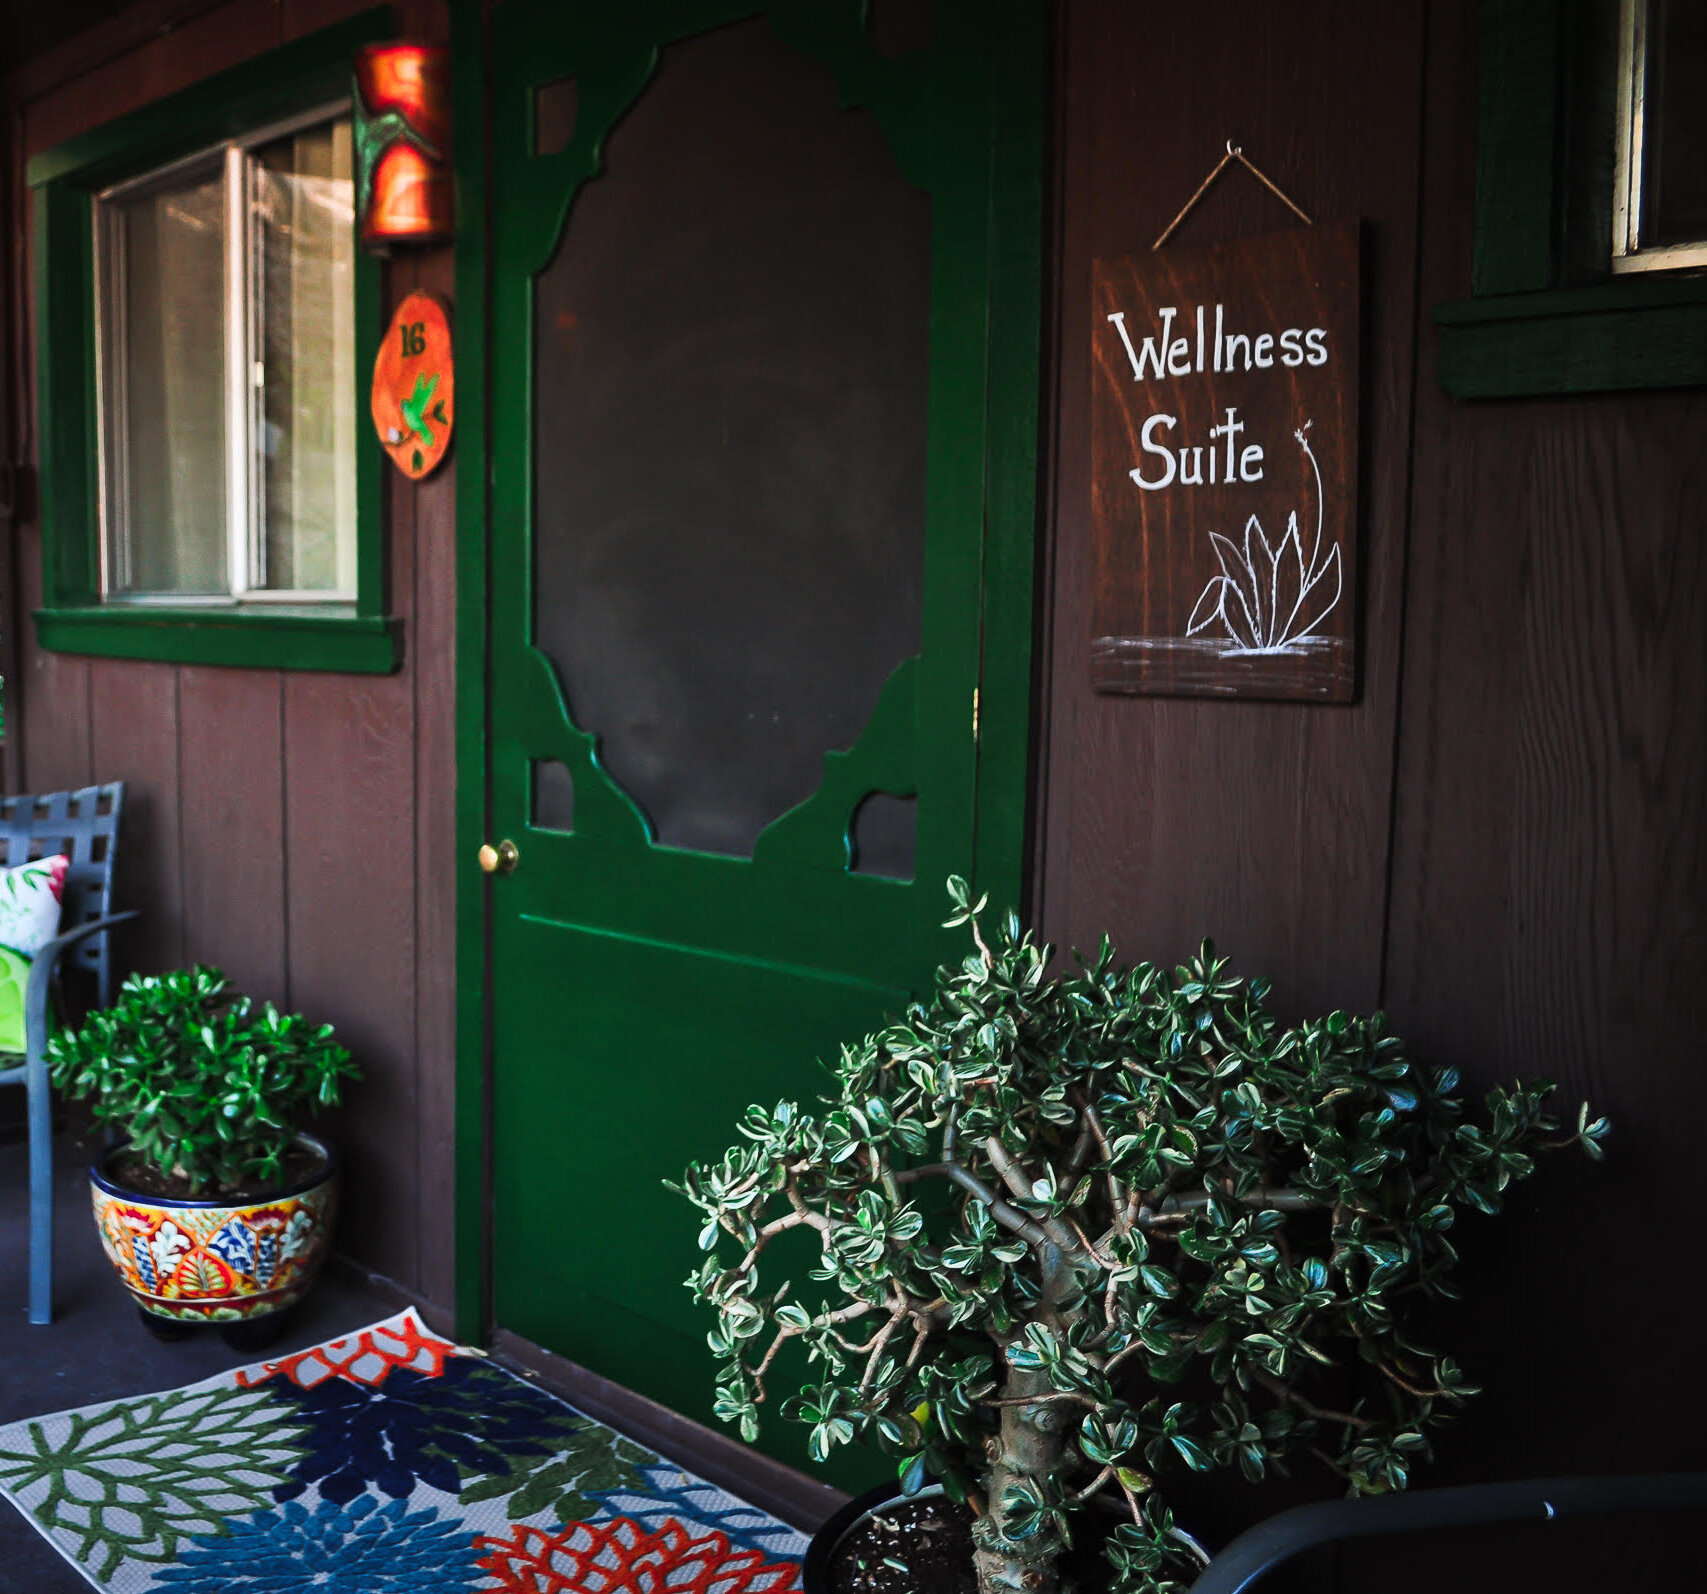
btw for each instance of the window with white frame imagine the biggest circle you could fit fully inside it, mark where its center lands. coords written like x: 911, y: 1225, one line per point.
x: 1660, y: 198
x: 225, y: 373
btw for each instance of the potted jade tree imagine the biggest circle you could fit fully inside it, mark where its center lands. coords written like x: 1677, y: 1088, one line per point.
x: 215, y: 1205
x: 1066, y: 1236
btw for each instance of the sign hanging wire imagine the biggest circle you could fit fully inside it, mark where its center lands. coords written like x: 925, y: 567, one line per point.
x: 1234, y: 153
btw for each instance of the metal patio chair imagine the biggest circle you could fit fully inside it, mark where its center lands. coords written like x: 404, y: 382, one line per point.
x: 1260, y: 1549
x: 83, y: 825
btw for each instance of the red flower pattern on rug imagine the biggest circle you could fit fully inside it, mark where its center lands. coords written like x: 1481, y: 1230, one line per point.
x: 363, y: 1358
x: 622, y: 1557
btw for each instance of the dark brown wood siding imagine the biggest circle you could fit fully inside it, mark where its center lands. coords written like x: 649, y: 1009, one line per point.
x: 1502, y: 841
x: 294, y: 828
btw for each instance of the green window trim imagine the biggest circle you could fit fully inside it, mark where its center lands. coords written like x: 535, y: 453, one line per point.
x: 279, y: 639
x: 355, y: 638
x: 1547, y: 316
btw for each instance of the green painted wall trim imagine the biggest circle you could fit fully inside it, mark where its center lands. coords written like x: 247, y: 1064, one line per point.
x: 1622, y: 335
x: 469, y: 111
x: 300, y: 76
x: 1019, y: 91
x: 65, y: 394
x: 1517, y: 123
x: 1547, y: 316
x: 356, y: 644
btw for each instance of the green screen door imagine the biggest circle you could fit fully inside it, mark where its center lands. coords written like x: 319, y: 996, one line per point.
x: 763, y: 378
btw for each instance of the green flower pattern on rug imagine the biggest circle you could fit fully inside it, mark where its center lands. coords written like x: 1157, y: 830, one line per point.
x: 592, y: 1460
x: 133, y: 1480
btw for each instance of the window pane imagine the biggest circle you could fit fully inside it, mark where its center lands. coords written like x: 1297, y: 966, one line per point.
x: 163, y: 365
x: 305, y: 437
x: 1674, y: 114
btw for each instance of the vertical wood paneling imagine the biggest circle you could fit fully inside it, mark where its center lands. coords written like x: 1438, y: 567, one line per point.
x: 1527, y: 895
x: 230, y: 764
x: 350, y: 865
x: 1549, y: 884
x: 433, y: 664
x: 55, y: 722
x: 1264, y: 825
x: 134, y: 733
x: 350, y: 849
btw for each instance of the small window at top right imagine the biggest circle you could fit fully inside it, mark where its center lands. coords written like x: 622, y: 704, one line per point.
x: 1660, y: 198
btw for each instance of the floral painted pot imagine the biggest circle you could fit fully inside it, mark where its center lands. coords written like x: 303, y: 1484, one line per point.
x: 218, y: 1261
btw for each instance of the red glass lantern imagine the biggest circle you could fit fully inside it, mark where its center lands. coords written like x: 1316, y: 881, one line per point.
x: 402, y: 132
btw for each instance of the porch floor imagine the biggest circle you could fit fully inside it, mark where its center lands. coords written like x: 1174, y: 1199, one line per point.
x: 96, y: 1350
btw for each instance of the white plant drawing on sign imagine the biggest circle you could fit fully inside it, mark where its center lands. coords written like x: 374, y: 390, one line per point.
x: 1271, y: 600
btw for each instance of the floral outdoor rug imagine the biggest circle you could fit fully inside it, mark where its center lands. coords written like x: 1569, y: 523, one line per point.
x: 387, y: 1462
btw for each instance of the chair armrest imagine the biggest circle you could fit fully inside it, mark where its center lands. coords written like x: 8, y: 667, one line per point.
x: 41, y: 976
x: 1260, y: 1549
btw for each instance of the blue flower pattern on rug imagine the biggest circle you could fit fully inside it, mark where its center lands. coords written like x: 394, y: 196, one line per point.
x: 359, y: 1548
x: 413, y: 1428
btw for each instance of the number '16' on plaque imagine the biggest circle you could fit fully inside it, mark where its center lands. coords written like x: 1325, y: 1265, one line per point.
x: 414, y: 386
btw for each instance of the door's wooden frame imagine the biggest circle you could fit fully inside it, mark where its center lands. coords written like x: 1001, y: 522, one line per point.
x: 1014, y: 241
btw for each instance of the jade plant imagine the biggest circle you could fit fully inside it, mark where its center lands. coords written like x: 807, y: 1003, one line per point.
x: 206, y: 1086
x: 1075, y: 1233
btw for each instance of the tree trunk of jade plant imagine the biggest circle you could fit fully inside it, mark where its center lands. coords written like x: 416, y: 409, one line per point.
x: 1027, y: 1453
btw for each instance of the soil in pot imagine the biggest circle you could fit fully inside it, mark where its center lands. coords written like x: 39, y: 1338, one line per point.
x: 907, y: 1547
x: 136, y: 1174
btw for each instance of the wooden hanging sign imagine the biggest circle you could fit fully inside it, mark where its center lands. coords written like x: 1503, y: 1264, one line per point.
x: 1224, y: 453
x: 414, y: 386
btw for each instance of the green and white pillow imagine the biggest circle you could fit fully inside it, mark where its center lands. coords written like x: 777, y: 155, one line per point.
x: 29, y: 918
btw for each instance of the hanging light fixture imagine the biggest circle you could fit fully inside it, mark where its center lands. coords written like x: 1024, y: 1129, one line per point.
x: 402, y: 136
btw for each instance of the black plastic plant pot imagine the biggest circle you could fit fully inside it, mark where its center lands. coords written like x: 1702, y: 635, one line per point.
x: 821, y: 1552
x: 815, y: 1568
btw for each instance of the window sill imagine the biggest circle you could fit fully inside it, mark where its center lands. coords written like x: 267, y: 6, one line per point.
x: 1613, y: 336
x: 294, y: 639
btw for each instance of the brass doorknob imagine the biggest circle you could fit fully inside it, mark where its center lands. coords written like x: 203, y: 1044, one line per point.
x: 500, y: 859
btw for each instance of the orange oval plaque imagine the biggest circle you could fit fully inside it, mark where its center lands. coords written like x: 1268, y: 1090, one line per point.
x: 414, y: 386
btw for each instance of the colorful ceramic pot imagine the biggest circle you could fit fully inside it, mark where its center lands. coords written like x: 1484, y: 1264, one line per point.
x: 218, y: 1261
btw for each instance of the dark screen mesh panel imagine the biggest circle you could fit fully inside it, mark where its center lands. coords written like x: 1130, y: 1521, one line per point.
x: 731, y: 366
x: 553, y: 796
x: 885, y: 836
x: 556, y: 105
